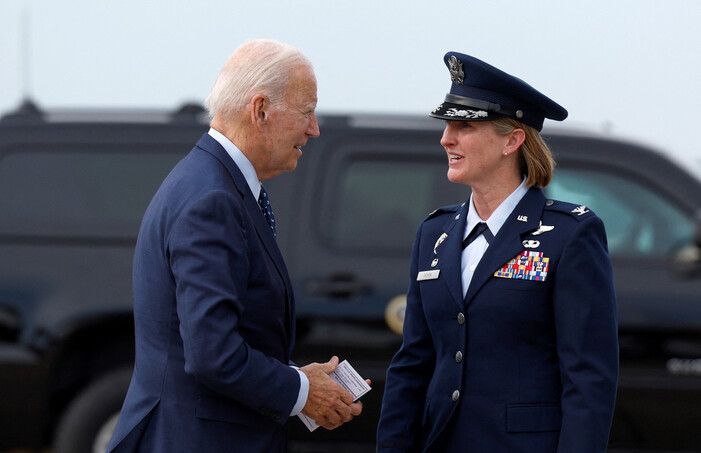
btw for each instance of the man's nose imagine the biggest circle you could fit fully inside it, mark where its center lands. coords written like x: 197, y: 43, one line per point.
x: 313, y: 129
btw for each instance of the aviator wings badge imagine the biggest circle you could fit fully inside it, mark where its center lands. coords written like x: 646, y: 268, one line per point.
x: 542, y: 229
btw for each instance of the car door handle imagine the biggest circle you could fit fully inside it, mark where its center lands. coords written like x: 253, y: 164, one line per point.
x: 338, y: 286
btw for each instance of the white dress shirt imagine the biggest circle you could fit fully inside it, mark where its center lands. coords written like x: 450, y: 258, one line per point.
x: 472, y: 254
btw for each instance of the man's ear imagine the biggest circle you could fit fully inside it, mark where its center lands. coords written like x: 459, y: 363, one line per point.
x: 260, y: 107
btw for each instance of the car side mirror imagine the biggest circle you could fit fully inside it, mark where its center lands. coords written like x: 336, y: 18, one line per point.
x: 687, y: 260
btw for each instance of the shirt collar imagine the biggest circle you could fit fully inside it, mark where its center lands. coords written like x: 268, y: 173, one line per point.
x: 500, y: 214
x: 240, y: 160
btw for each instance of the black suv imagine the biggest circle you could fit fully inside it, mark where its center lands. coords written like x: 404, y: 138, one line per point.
x: 73, y: 188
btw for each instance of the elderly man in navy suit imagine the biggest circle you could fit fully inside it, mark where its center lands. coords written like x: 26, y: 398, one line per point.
x: 213, y: 305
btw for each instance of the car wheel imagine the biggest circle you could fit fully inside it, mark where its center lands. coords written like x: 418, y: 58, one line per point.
x: 88, y: 422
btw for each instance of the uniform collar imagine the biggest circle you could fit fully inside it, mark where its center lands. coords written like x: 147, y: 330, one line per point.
x: 500, y: 214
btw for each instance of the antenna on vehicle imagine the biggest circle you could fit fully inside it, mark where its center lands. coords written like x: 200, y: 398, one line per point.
x: 27, y: 109
x: 25, y: 49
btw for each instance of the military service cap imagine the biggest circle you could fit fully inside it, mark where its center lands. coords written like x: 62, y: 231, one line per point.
x: 481, y: 92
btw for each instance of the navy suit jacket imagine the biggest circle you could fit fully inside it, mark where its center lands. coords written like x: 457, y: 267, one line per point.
x: 214, y: 317
x: 517, y: 365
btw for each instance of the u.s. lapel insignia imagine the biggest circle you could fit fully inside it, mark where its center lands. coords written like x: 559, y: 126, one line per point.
x: 439, y: 242
x: 531, y: 244
x: 526, y: 266
x: 580, y: 210
x: 542, y: 229
x: 522, y: 218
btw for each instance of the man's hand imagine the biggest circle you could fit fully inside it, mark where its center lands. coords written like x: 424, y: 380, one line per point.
x: 328, y: 403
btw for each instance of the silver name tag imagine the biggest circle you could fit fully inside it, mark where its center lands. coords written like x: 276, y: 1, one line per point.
x: 428, y: 275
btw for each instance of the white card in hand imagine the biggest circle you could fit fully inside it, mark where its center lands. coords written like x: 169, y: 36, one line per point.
x: 349, y: 379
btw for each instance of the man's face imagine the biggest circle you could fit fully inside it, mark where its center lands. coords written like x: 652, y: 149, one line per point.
x: 291, y: 124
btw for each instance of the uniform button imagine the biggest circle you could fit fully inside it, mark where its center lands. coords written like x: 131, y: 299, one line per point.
x: 549, y: 203
x: 458, y: 356
x: 461, y: 318
x: 457, y: 217
x: 456, y: 395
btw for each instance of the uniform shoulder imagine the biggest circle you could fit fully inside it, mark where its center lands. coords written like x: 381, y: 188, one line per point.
x: 578, y: 211
x: 452, y: 209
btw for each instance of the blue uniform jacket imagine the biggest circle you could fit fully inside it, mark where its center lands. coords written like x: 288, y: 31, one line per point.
x: 214, y: 316
x: 518, y: 365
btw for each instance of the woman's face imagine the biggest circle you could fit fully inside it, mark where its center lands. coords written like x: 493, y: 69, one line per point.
x: 475, y: 152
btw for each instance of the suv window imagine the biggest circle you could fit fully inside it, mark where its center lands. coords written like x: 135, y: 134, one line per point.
x: 393, y: 194
x: 64, y: 193
x: 638, y: 220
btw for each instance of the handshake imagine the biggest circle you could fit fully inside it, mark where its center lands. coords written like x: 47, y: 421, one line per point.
x: 328, y: 403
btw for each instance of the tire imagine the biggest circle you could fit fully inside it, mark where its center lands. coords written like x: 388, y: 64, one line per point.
x: 87, y: 424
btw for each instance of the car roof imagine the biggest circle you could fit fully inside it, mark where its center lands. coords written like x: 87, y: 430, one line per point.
x: 30, y: 124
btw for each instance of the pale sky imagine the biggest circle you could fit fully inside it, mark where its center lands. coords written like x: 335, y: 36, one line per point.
x: 630, y: 68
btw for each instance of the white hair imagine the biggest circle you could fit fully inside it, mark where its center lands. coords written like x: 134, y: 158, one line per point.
x: 261, y: 66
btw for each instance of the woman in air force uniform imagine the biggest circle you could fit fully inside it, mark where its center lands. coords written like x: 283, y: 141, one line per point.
x: 510, y: 335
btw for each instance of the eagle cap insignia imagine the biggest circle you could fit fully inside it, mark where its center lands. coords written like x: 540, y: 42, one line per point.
x: 456, y: 73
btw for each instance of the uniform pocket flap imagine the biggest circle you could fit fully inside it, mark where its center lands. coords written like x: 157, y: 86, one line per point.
x: 529, y: 418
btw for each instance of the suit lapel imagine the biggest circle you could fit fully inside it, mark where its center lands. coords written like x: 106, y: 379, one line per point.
x: 449, y: 254
x: 509, y: 241
x: 265, y: 234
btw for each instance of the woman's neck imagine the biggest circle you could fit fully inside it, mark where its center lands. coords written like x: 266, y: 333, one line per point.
x: 488, y: 199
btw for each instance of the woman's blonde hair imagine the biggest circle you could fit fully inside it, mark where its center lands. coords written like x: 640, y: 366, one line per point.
x: 535, y: 159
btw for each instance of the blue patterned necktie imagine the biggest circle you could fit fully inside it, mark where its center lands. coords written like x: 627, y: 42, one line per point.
x: 264, y: 203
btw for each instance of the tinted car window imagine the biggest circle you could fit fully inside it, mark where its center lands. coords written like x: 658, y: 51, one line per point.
x: 639, y: 221
x: 393, y: 195
x: 62, y: 193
